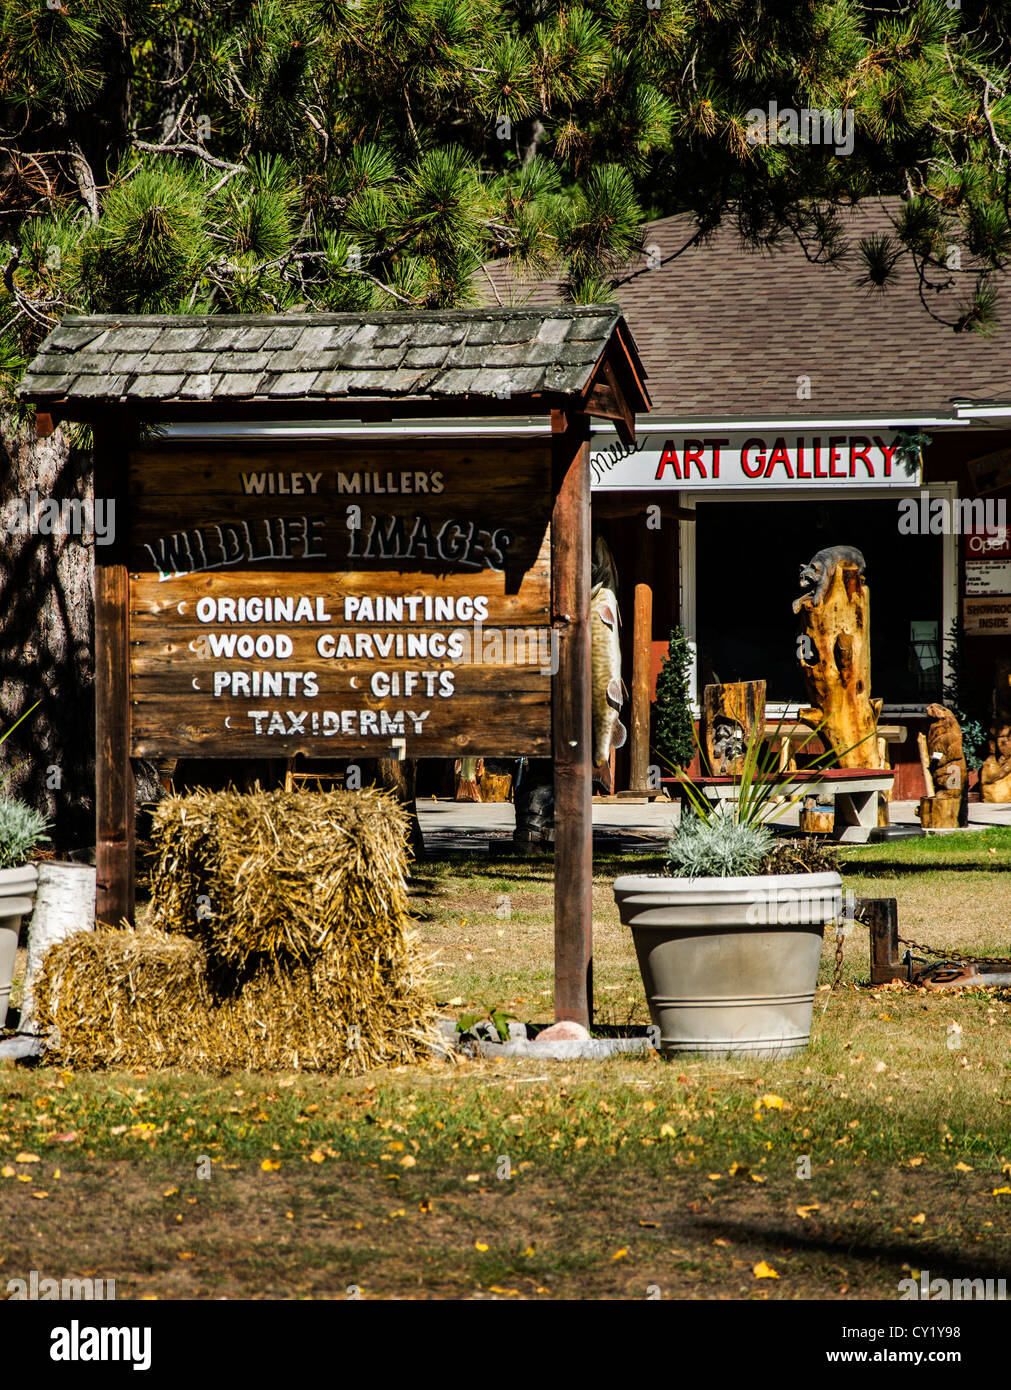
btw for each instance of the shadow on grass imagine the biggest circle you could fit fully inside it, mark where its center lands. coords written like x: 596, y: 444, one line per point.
x: 942, y: 1263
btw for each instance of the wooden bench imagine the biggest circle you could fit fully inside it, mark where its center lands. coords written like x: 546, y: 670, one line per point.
x: 855, y: 790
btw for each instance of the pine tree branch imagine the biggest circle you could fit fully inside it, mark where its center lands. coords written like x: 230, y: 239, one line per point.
x: 20, y: 299
x: 185, y: 147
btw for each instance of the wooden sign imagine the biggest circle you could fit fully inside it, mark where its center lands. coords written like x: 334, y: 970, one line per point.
x: 338, y: 600
x: 987, y: 617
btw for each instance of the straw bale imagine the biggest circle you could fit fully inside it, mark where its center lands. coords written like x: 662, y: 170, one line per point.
x: 282, y: 874
x: 126, y: 999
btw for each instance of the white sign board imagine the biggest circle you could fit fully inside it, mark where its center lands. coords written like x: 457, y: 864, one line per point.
x: 988, y: 577
x: 754, y: 462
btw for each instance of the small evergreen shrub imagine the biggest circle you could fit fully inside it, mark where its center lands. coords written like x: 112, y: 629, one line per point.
x: 21, y: 829
x: 675, y: 728
x: 717, y: 848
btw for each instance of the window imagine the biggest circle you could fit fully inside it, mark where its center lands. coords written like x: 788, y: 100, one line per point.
x: 747, y: 559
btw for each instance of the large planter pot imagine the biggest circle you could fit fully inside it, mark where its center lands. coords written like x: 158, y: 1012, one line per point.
x: 730, y: 965
x: 17, y: 894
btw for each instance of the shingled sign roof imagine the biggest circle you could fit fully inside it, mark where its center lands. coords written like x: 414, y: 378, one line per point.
x: 477, y: 355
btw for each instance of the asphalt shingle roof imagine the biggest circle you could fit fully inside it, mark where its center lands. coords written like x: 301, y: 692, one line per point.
x: 425, y: 355
x: 725, y: 331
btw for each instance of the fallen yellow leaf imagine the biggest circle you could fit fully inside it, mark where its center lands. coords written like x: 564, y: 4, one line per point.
x: 652, y: 1225
x: 963, y: 1168
x: 668, y: 1132
x: 805, y: 1212
x: 26, y: 1158
x: 714, y: 1177
x: 494, y: 1288
x: 40, y: 1194
x: 185, y: 1255
x: 270, y: 1165
x: 395, y: 1146
x: 408, y: 1161
x: 473, y: 1177
x: 1002, y: 1192
x: 480, y: 1245
x: 620, y: 1254
x: 764, y: 1271
x: 171, y: 1192
x: 317, y: 1156
x: 918, y: 1219
x: 772, y: 1102
x: 915, y: 1162
x: 7, y: 1171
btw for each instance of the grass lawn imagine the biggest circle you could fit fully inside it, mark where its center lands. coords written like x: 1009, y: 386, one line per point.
x: 508, y: 1179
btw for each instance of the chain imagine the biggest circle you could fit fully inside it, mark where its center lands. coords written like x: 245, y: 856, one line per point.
x: 954, y: 955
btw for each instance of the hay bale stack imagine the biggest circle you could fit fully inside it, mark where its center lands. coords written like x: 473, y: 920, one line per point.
x: 280, y: 938
x: 282, y: 874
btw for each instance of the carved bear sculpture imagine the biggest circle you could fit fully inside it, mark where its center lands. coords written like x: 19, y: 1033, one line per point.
x: 944, y: 745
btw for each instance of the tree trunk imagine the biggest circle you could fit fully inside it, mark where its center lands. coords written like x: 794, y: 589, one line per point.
x: 46, y: 636
x: 834, y: 651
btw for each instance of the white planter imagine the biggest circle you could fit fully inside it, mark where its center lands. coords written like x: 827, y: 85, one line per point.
x: 17, y: 894
x: 730, y: 965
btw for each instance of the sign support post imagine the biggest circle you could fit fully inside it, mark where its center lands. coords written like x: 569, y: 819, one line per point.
x: 572, y: 718
x: 114, y: 777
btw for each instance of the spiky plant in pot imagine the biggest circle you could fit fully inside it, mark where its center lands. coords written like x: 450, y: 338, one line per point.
x: 21, y: 829
x: 720, y: 847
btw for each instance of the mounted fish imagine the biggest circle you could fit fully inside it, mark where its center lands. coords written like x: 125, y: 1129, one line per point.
x: 608, y: 691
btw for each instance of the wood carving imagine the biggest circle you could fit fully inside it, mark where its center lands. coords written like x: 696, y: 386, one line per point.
x: 608, y: 730
x: 834, y: 651
x: 995, y: 774
x: 945, y: 805
x: 944, y: 748
x: 467, y: 771
x: 730, y: 714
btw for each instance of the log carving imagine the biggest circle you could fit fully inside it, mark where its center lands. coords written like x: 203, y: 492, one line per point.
x: 944, y: 749
x: 730, y: 714
x: 995, y: 774
x: 834, y: 651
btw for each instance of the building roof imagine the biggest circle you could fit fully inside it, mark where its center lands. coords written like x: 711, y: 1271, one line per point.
x: 472, y: 355
x: 726, y: 331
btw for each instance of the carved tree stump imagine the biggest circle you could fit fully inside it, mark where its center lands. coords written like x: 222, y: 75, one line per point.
x: 834, y: 650
x: 730, y: 714
x: 938, y: 812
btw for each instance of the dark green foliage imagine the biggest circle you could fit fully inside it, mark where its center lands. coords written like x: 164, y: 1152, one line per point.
x: 367, y: 154
x: 675, y: 730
